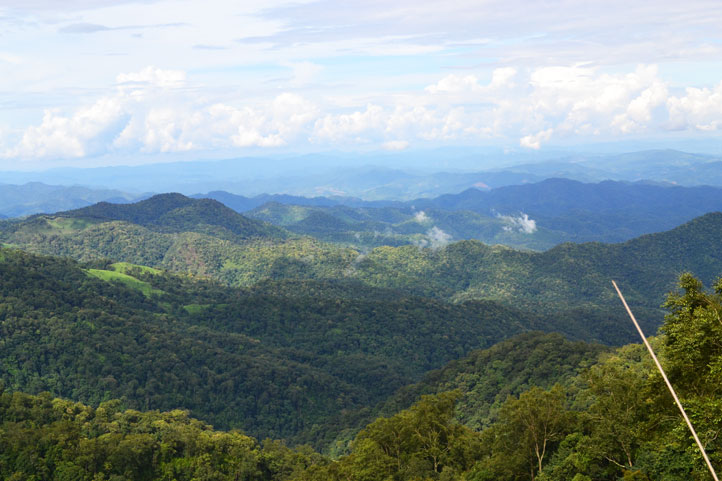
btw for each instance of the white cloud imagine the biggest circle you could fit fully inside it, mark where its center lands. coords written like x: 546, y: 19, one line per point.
x: 454, y: 84
x: 160, y: 110
x: 353, y: 126
x: 155, y: 77
x: 538, y: 106
x: 421, y: 217
x: 395, y: 145
x: 534, y: 141
x: 72, y: 136
x: 521, y: 223
x: 150, y: 112
x: 469, y: 84
x: 699, y: 109
x: 437, y: 237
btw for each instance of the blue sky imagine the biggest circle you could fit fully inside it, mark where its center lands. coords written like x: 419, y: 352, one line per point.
x: 89, y: 82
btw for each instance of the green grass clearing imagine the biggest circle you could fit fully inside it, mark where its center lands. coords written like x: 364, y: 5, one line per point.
x: 130, y: 281
x: 196, y: 308
x: 124, y: 267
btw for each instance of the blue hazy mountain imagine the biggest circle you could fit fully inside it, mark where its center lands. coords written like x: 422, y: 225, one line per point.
x: 535, y: 216
x: 384, y: 176
x: 36, y: 197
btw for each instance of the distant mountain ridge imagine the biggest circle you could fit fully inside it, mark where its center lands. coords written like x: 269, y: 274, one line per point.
x: 384, y: 176
x: 177, y: 213
x: 242, y: 204
x: 557, y: 210
x: 608, y: 211
x: 36, y: 197
x: 671, y: 166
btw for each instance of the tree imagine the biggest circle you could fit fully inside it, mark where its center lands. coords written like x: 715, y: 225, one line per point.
x: 528, y: 430
x: 693, y: 362
x: 422, y: 442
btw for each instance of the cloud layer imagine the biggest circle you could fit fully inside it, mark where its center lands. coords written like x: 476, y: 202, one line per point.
x: 156, y: 110
x: 85, y: 78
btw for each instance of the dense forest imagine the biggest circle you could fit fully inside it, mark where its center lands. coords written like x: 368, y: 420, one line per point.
x: 606, y: 416
x: 282, y: 359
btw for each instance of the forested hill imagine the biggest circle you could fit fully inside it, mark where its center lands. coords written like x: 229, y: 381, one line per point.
x: 262, y: 360
x: 488, y: 377
x: 177, y: 213
x: 569, y: 276
x: 556, y: 210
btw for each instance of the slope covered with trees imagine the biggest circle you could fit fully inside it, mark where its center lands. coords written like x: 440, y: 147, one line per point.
x: 533, y: 216
x: 614, y: 420
x: 576, y: 412
x: 178, y: 213
x: 280, y: 359
x: 219, y: 246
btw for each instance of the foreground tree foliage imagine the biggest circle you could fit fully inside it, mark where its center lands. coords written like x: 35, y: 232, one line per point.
x: 422, y: 442
x: 617, y: 420
x: 42, y: 438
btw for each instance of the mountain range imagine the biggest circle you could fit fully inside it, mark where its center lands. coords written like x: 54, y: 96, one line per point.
x: 369, y: 177
x: 205, y: 238
x: 175, y: 302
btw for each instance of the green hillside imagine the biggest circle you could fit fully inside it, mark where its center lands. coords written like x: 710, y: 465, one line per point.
x: 487, y: 377
x: 569, y: 275
x: 56, y: 439
x: 276, y: 360
x: 369, y: 227
x: 178, y: 213
x: 541, y: 408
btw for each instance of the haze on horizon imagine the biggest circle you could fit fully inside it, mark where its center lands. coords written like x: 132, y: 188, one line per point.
x: 99, y: 82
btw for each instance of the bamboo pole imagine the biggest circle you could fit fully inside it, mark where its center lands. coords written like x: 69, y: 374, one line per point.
x: 669, y: 385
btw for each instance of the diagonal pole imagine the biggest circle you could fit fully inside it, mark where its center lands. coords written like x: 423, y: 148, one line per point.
x: 669, y: 385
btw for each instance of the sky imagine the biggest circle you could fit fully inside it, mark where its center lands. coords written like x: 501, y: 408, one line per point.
x: 101, y: 82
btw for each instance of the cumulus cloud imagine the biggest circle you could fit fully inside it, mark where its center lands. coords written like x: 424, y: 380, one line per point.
x: 521, y: 223
x: 73, y: 136
x: 501, y: 78
x: 356, y: 125
x: 153, y: 76
x: 699, y: 109
x: 159, y: 110
x: 149, y: 112
x: 537, y: 106
x: 534, y: 141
